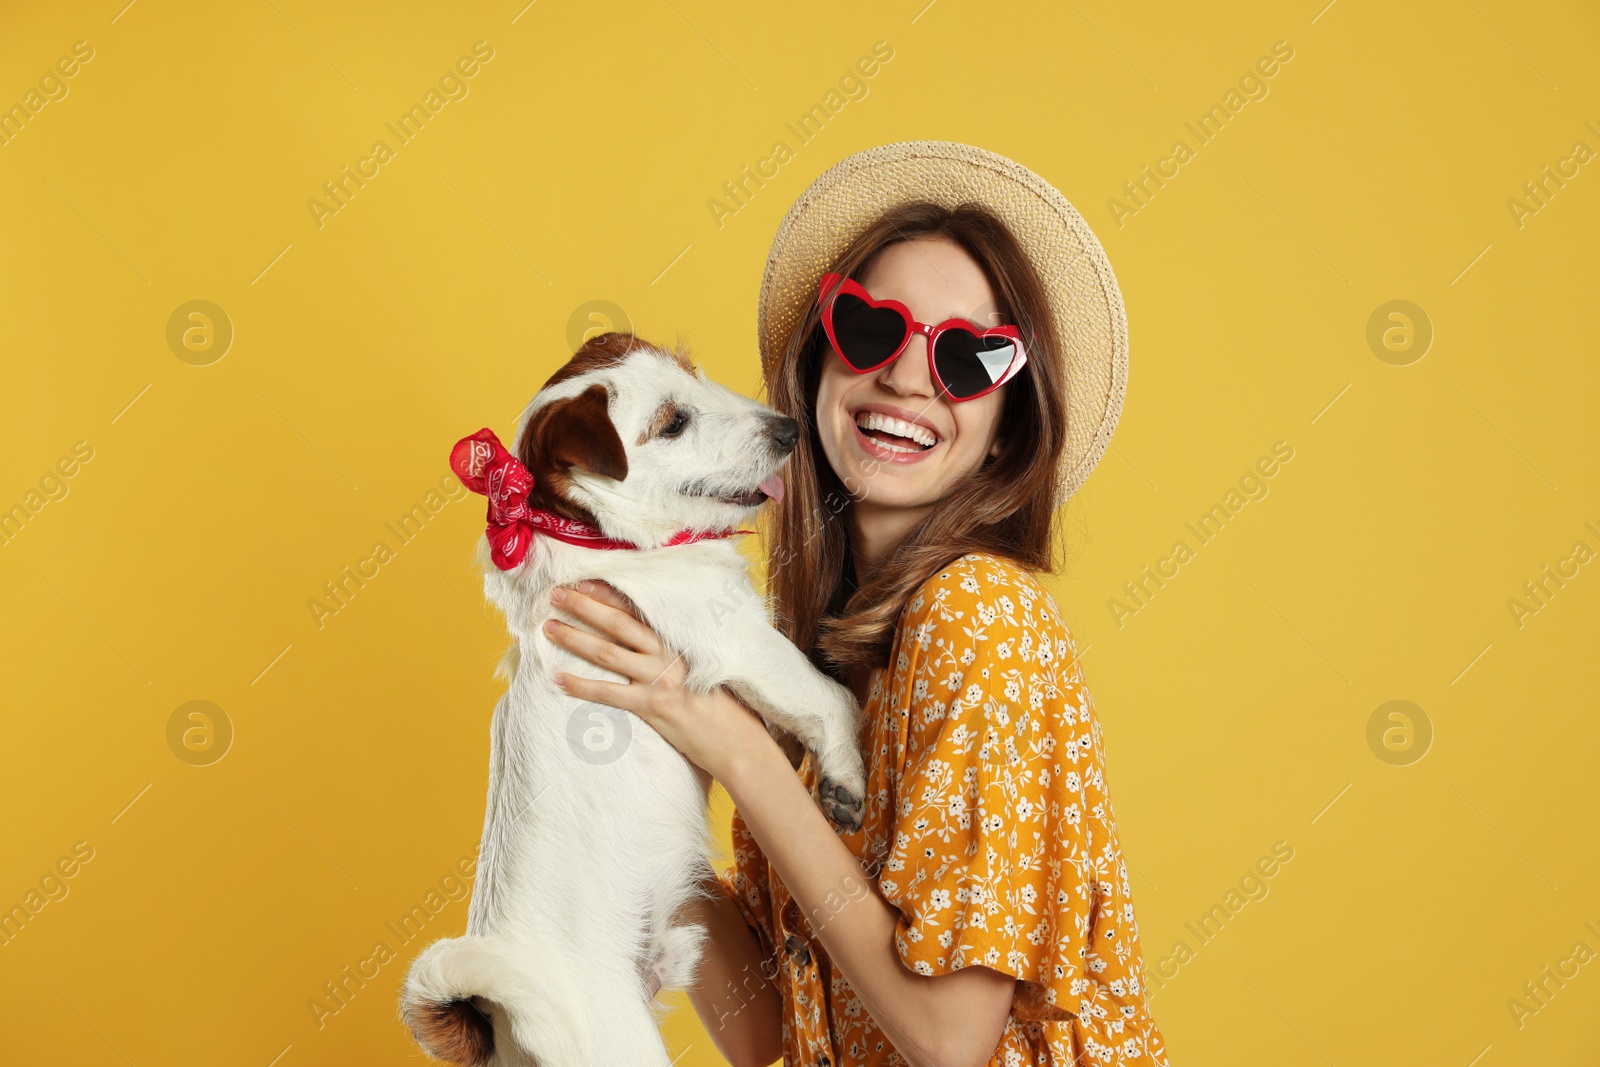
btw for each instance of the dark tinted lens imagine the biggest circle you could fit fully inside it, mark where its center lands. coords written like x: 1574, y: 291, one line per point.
x: 969, y: 364
x: 867, y: 336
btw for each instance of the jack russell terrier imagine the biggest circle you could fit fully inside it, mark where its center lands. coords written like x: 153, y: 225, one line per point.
x: 595, y: 829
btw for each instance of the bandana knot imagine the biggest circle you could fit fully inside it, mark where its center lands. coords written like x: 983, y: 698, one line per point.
x: 484, y: 466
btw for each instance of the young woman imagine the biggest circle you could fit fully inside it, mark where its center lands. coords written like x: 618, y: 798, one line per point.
x: 925, y: 308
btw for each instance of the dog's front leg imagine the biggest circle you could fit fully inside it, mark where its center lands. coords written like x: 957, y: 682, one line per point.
x: 725, y: 639
x: 780, y: 684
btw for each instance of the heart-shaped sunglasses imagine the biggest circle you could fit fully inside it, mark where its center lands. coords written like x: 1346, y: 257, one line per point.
x: 966, y: 362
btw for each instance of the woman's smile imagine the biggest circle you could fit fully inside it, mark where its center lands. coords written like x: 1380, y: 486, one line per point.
x: 894, y: 434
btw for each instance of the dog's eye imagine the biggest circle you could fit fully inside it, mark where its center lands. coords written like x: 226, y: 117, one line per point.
x: 675, y: 425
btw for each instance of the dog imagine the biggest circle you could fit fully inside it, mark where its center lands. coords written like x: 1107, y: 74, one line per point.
x: 595, y: 830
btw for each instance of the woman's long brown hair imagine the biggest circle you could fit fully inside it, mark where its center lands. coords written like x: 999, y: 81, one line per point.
x: 1004, y: 507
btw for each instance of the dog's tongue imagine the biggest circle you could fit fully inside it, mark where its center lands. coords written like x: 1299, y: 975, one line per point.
x: 773, y: 487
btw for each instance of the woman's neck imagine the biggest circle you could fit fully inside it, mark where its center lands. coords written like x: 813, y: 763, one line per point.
x: 875, y: 531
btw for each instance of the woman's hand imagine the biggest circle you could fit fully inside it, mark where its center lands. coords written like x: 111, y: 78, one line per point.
x: 713, y: 730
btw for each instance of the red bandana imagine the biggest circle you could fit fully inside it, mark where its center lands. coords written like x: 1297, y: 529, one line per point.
x: 484, y: 466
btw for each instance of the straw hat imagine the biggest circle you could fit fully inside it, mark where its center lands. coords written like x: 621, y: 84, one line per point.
x: 1084, y: 298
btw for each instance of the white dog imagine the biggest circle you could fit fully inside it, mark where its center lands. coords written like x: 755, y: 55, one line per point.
x: 595, y: 832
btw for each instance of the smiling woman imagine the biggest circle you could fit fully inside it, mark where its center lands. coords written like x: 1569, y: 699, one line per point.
x: 942, y: 266
x: 908, y: 333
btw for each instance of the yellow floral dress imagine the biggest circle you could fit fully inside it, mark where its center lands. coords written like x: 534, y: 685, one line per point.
x: 988, y: 825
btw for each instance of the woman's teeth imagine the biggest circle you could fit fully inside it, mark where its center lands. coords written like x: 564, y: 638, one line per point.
x: 923, y: 437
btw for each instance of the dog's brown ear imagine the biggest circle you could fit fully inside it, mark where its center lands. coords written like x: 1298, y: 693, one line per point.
x: 578, y: 431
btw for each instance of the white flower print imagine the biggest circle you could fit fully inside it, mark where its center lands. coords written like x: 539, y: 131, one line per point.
x: 986, y: 801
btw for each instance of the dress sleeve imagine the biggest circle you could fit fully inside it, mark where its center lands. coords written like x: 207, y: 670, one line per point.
x: 745, y: 882
x: 1005, y: 850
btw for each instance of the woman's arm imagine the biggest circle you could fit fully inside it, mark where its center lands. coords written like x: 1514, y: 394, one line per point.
x: 739, y: 1007
x: 934, y: 1021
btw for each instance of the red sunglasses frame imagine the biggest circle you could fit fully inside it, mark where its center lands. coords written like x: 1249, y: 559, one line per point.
x: 834, y: 284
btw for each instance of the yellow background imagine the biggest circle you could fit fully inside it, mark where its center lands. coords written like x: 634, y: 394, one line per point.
x: 1236, y: 702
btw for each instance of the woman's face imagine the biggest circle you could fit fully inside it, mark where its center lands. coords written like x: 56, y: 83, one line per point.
x: 861, y: 417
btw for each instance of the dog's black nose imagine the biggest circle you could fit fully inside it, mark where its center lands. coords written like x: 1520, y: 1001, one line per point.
x: 784, y: 431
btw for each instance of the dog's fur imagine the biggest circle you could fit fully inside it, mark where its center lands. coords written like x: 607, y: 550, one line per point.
x: 583, y: 868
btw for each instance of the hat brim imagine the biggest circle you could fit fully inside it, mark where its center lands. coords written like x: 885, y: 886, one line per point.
x: 1085, y: 301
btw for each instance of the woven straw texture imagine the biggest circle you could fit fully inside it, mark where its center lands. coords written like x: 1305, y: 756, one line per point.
x: 1089, y: 315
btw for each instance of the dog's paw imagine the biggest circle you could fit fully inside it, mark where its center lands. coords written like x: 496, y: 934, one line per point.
x: 841, y: 804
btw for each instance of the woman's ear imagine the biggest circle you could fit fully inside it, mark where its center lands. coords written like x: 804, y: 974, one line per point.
x: 994, y: 449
